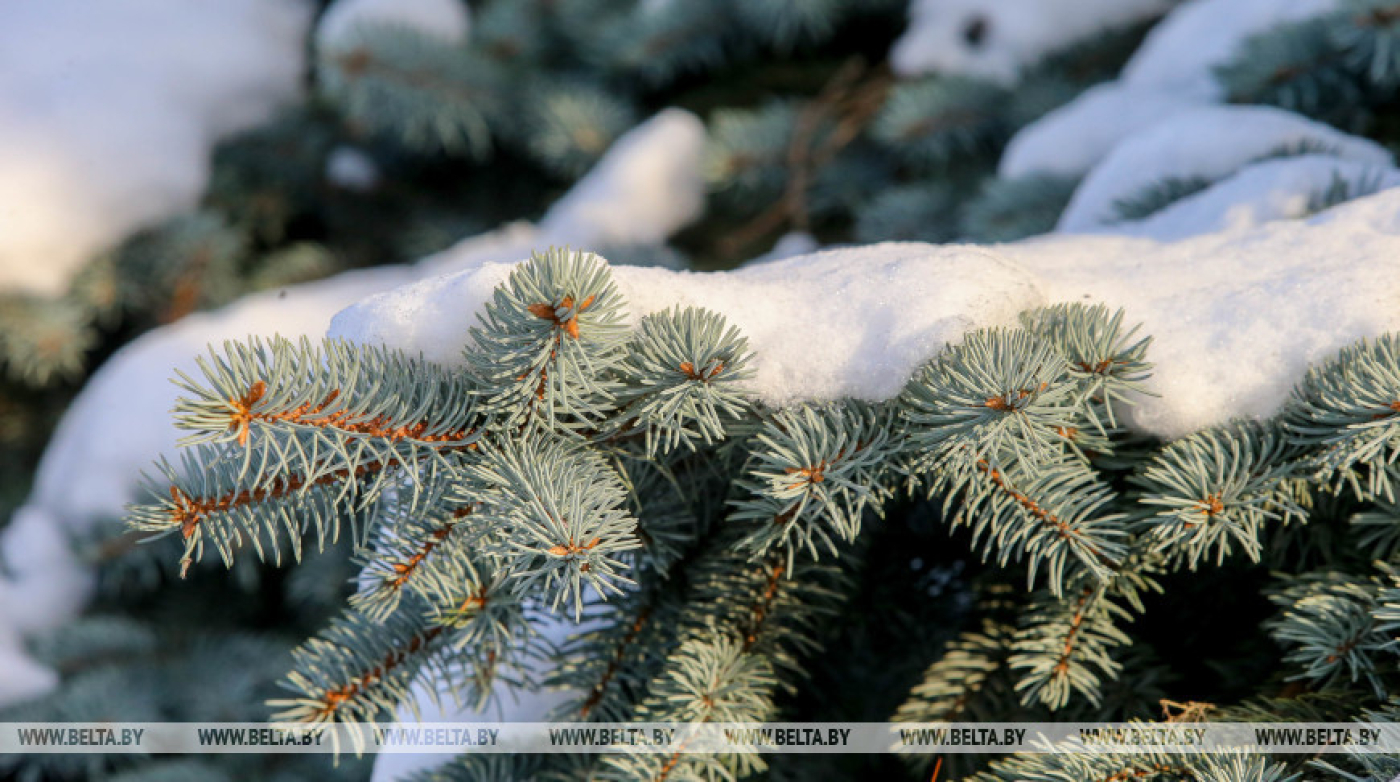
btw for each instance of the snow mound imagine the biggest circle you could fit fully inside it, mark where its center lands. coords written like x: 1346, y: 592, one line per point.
x: 647, y: 187
x: 1172, y: 70
x: 108, y: 112
x: 1208, y: 144
x: 1181, y: 54
x: 788, y: 245
x: 1236, y: 318
x: 1282, y: 189
x: 995, y: 39
x: 339, y: 26
x: 1072, y: 139
x: 899, y: 303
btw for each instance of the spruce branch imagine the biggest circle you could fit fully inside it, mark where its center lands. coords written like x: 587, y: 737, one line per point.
x: 428, y: 94
x: 659, y: 43
x: 747, y: 151
x: 358, y: 669
x: 1063, y: 649
x: 667, y: 500
x: 605, y: 680
x: 1367, y: 33
x: 1009, y: 209
x: 784, y: 23
x: 820, y: 130
x: 210, y: 500
x: 772, y: 607
x: 188, y: 263
x: 1342, y: 189
x: 968, y: 682
x: 1157, y: 196
x: 338, y: 391
x: 1347, y: 411
x: 712, y: 679
x: 1295, y: 66
x: 290, y: 436
x: 42, y: 340
x: 548, y: 341
x: 424, y: 552
x: 1332, y: 630
x: 1000, y: 395
x: 1388, y: 604
x: 932, y: 123
x: 924, y: 211
x: 1109, y: 364
x: 571, y: 124
x: 1066, y: 642
x: 1216, y: 490
x: 815, y: 471
x: 1074, y: 763
x: 493, y: 631
x: 558, y: 516
x: 95, y: 641
x: 1086, y: 764
x: 611, y: 663
x: 1053, y: 515
x: 679, y: 380
x: 1368, y: 766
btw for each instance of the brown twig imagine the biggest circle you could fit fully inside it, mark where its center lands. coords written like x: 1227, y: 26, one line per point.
x: 188, y: 511
x: 595, y: 696
x: 1038, y: 512
x: 763, y: 607
x: 308, y: 414
x: 1076, y: 623
x: 849, y: 102
x: 336, y: 698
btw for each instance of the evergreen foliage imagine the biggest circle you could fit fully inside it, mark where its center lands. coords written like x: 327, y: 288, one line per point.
x: 711, y: 550
x: 1339, y: 68
x: 529, y: 102
x: 569, y: 469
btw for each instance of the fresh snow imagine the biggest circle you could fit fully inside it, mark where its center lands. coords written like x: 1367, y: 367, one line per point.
x: 1236, y: 316
x: 788, y: 245
x: 842, y: 323
x: 1181, y: 54
x: 1173, y: 69
x: 121, y: 422
x: 108, y: 112
x: 649, y: 185
x: 1072, y: 139
x: 1279, y: 189
x: 996, y: 39
x: 1209, y: 143
x: 341, y: 24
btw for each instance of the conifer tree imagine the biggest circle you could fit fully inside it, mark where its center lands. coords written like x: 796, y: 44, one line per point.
x: 485, y: 498
x: 397, y: 519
